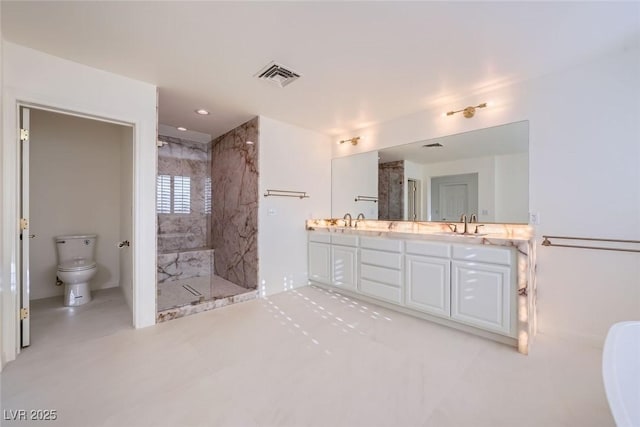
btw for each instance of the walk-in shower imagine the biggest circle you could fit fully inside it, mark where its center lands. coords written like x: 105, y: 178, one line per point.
x: 202, y: 190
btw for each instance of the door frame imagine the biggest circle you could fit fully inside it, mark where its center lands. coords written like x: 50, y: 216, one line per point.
x: 417, y: 199
x: 143, y: 305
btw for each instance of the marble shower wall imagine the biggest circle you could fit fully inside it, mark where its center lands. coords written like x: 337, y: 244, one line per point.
x: 188, y: 230
x: 174, y: 266
x: 234, y: 222
x: 391, y: 190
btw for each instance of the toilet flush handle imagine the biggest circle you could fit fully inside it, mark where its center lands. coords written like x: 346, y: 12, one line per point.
x: 123, y: 244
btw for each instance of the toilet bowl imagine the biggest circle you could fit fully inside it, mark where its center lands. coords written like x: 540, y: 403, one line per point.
x: 76, y: 267
x: 76, y: 276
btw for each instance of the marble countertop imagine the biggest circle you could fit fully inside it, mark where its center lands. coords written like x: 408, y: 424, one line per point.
x: 424, y: 230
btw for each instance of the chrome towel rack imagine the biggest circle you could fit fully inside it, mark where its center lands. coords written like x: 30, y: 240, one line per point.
x: 547, y: 242
x: 286, y: 193
x: 366, y: 199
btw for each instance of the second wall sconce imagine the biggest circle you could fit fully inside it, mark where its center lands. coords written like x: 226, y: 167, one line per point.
x: 467, y: 112
x: 353, y: 141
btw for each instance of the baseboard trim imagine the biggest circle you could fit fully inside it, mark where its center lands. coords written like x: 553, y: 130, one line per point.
x: 105, y: 286
x: 444, y: 322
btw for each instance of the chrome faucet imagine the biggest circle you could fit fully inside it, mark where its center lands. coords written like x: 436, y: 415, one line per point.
x: 345, y: 217
x: 463, y: 218
x: 358, y: 218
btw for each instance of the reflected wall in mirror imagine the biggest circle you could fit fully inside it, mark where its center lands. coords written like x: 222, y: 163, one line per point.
x: 483, y: 172
x: 354, y: 185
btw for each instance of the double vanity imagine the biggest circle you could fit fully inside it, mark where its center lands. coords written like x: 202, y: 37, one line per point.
x: 480, y: 283
x: 420, y: 255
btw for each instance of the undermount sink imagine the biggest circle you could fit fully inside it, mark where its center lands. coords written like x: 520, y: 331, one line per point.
x: 451, y: 233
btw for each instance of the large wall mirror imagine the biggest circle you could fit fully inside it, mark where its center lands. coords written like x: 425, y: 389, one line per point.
x: 483, y: 172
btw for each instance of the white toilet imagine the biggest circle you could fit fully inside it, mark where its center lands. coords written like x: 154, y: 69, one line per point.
x: 76, y: 266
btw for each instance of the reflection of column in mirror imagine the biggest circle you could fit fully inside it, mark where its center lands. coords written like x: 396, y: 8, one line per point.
x: 391, y: 190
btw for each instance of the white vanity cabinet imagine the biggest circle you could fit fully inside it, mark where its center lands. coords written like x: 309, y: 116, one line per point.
x: 381, y: 268
x: 483, y: 288
x: 333, y: 260
x: 464, y: 284
x: 427, y: 272
x: 319, y: 258
x: 344, y: 261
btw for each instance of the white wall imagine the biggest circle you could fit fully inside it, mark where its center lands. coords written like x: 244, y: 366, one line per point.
x: 296, y: 159
x: 34, y: 77
x: 74, y: 189
x: 351, y: 177
x: 126, y: 213
x: 512, y: 175
x: 584, y: 181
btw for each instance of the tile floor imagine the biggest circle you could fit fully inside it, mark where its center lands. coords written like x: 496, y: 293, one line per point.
x: 307, y: 357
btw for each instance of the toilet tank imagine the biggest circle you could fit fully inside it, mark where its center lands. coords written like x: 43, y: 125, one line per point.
x: 79, y: 246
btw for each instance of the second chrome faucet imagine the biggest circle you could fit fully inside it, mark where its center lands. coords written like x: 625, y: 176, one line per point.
x: 463, y: 220
x: 348, y: 219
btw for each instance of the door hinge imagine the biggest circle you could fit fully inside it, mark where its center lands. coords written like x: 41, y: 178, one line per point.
x: 24, y: 313
x: 24, y: 223
x: 24, y: 134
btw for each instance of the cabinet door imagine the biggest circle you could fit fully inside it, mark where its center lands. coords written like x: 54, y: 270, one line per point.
x: 428, y: 284
x: 481, y: 295
x: 320, y: 262
x: 344, y: 266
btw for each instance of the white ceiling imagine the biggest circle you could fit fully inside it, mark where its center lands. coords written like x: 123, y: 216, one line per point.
x: 494, y: 141
x: 361, y: 62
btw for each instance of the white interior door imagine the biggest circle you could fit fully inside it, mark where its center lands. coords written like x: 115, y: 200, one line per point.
x: 24, y: 228
x: 126, y: 214
x: 454, y: 195
x: 453, y: 201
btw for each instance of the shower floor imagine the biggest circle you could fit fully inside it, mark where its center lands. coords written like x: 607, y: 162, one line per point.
x: 195, y: 290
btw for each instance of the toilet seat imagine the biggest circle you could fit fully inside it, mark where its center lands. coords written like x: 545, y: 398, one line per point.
x: 77, y: 265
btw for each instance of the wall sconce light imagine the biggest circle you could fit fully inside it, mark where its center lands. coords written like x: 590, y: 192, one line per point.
x: 353, y: 141
x: 467, y: 112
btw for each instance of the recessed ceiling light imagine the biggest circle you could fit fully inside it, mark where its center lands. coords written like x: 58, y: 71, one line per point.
x: 182, y: 128
x: 202, y: 112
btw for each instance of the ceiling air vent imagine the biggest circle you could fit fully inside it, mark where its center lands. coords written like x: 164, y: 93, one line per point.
x: 435, y: 144
x: 277, y: 74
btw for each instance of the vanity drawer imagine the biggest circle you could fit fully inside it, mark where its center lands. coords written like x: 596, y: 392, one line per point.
x: 380, y: 290
x: 381, y: 274
x: 439, y: 250
x: 381, y: 244
x: 319, y: 237
x: 344, y: 240
x: 382, y: 259
x: 483, y: 254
